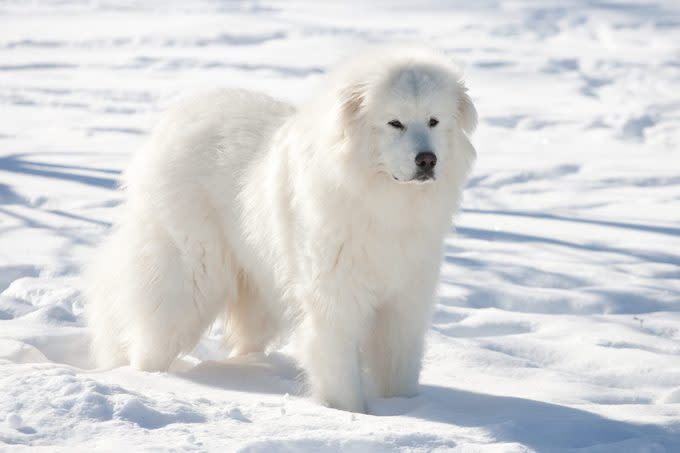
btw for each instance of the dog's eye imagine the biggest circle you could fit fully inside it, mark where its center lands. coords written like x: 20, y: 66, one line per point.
x: 433, y: 122
x: 397, y: 124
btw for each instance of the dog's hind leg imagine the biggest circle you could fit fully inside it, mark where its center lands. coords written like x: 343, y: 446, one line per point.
x: 198, y: 276
x: 184, y: 296
x: 168, y: 280
x: 251, y: 324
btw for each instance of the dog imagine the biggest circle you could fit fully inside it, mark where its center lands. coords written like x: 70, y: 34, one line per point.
x: 327, y: 222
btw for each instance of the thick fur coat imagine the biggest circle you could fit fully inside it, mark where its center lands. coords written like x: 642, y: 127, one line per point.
x: 328, y: 221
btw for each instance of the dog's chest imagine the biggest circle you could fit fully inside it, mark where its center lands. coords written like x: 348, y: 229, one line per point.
x: 387, y: 262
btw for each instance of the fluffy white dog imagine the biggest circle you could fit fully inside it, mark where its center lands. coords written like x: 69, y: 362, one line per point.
x: 328, y: 220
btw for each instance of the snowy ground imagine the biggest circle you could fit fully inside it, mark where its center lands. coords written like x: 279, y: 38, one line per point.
x: 558, y: 323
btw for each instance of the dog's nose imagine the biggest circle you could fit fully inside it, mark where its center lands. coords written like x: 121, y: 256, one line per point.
x: 426, y: 160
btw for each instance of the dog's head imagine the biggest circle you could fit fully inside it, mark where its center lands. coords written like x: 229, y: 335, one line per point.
x: 408, y: 112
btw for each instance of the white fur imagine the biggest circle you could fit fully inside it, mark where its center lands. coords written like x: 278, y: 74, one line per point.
x: 284, y: 220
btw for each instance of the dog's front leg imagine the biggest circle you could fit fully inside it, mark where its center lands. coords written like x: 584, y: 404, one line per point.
x: 394, y: 349
x: 330, y: 356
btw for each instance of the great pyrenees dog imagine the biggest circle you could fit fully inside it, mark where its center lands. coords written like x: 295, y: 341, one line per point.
x: 327, y: 222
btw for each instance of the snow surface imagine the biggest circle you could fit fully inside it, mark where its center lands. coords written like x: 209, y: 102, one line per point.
x: 558, y: 322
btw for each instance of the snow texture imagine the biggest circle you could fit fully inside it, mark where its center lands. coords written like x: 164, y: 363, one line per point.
x: 558, y: 321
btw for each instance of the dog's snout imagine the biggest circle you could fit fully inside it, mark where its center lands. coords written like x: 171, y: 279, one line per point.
x: 426, y: 160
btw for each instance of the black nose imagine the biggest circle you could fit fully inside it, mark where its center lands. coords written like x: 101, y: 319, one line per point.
x: 426, y: 160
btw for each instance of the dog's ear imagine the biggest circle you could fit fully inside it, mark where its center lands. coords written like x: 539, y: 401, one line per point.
x: 351, y: 102
x: 466, y: 114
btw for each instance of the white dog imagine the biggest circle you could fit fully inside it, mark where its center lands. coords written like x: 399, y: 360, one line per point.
x: 329, y: 220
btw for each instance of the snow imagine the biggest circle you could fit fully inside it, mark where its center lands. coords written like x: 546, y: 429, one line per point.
x: 558, y: 320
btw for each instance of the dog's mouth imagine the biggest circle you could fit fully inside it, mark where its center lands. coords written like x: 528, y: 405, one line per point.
x: 421, y: 178
x: 425, y: 176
